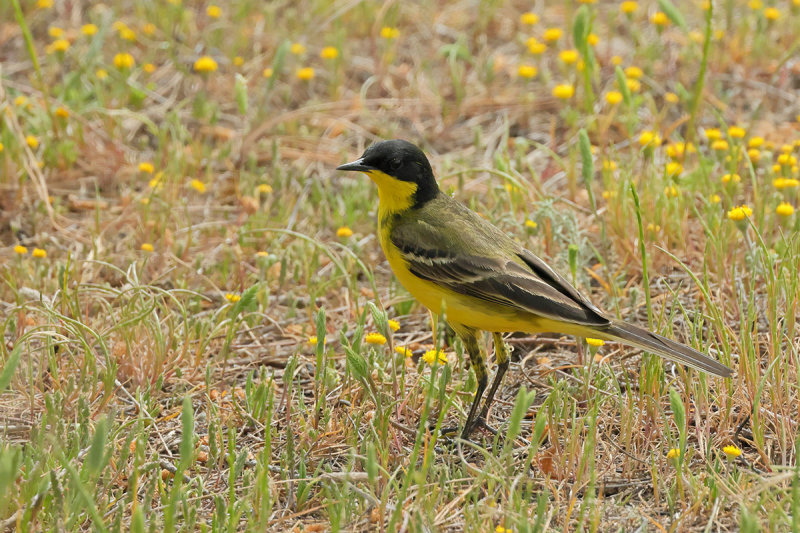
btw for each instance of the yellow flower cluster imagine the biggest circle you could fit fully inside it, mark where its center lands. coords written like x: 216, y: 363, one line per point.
x: 431, y: 356
x: 205, y: 64
x: 740, y: 213
x: 564, y: 91
x: 374, y: 338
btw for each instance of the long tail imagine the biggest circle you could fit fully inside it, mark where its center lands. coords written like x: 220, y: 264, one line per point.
x: 650, y: 342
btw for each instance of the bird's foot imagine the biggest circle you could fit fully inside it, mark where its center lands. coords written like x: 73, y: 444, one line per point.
x: 449, y: 434
x: 481, y: 422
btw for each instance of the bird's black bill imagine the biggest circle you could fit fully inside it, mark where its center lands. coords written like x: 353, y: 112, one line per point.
x: 356, y: 165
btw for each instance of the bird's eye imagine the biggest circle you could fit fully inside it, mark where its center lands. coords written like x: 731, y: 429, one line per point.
x: 394, y: 164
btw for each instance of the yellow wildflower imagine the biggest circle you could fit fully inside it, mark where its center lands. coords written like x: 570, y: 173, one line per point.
x: 156, y: 183
x: 59, y: 45
x: 264, y: 188
x: 127, y: 34
x: 713, y: 134
x: 735, y: 178
x: 44, y: 4
x: 755, y: 142
x: 149, y: 68
x: 297, y: 49
x: 568, y: 56
x: 431, y: 356
x: 754, y: 154
x: 149, y: 28
x: 628, y: 7
x: 312, y: 340
x: 20, y: 250
x: 101, y: 73
x: 267, y: 73
x: 387, y: 32
x: 736, y: 132
x: 676, y: 150
x: 147, y: 167
x: 772, y: 13
x: 535, y: 47
x: 198, y: 186
x: 616, y: 60
x: 740, y: 213
x: 593, y: 39
x: 213, y: 11
x: 404, y: 351
x: 62, y: 112
x: 732, y: 451
x: 344, y: 232
x: 659, y: 18
x: 649, y: 138
x: 634, y: 86
x: 785, y: 209
x: 634, y: 72
x: 124, y: 61
x: 205, y: 64
x: 613, y: 97
x: 529, y: 19
x: 671, y: 191
x: 720, y: 145
x: 674, y: 168
x: 39, y: 253
x: 564, y: 91
x: 305, y: 73
x: 329, y: 52
x: 531, y: 224
x: 673, y: 453
x: 32, y: 141
x: 715, y: 198
x: 595, y: 342
x: 551, y: 35
x: 147, y: 247
x: 374, y: 338
x: 238, y: 61
x: 55, y: 32
x: 394, y: 325
x: 755, y: 5
x: 672, y: 98
x: 232, y: 297
x: 527, y: 71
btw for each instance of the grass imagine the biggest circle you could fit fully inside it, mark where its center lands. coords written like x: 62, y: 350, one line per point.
x: 173, y: 235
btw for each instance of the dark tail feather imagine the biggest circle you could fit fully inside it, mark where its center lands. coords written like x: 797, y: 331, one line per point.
x: 650, y: 342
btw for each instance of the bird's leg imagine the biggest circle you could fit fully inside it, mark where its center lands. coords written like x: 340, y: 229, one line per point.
x: 501, y: 356
x: 477, y: 359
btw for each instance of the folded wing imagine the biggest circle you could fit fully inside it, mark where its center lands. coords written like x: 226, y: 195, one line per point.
x: 514, y: 278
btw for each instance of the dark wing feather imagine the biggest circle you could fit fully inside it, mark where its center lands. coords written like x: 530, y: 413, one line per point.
x: 528, y: 285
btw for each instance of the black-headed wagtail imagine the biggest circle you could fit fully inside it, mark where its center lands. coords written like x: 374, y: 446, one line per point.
x: 451, y: 259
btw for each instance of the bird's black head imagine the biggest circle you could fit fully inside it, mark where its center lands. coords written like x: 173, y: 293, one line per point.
x: 400, y: 160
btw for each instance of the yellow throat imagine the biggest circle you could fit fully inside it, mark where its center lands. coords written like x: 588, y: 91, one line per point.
x: 394, y: 195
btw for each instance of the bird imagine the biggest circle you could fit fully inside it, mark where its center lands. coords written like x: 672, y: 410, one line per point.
x: 455, y: 262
